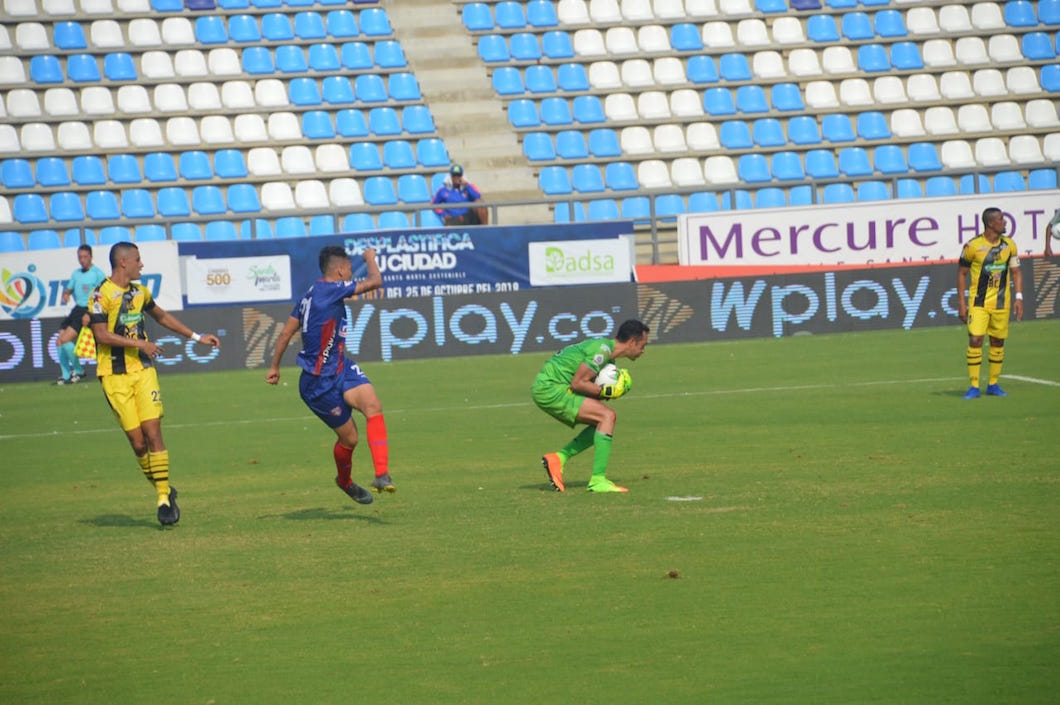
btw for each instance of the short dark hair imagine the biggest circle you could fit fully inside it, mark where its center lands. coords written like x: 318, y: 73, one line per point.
x: 118, y: 251
x: 631, y: 329
x: 329, y: 253
x: 990, y: 213
x: 85, y: 248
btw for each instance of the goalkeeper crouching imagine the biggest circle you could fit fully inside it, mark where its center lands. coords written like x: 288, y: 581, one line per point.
x: 566, y: 390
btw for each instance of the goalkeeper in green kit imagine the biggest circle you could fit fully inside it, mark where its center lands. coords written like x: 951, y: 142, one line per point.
x: 565, y: 390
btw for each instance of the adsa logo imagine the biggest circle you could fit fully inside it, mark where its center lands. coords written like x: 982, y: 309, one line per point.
x: 22, y: 294
x: 559, y: 261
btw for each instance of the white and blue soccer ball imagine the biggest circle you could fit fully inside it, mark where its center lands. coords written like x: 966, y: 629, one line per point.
x: 608, y: 375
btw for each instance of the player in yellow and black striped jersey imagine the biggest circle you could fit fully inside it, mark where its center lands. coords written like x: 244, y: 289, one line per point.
x: 992, y: 262
x: 125, y: 368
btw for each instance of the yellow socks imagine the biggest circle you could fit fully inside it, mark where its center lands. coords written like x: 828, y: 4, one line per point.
x: 997, y: 357
x: 160, y: 474
x: 975, y: 363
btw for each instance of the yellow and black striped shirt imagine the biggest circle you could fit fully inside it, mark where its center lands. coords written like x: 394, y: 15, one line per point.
x: 989, y: 266
x: 123, y: 311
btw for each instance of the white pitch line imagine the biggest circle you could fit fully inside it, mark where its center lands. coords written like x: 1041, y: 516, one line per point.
x: 1033, y: 380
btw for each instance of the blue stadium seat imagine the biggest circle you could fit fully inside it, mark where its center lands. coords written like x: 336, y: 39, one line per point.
x: 316, y: 125
x: 1039, y: 179
x: 539, y: 79
x: 751, y: 99
x: 321, y: 225
x: 909, y: 188
x: 1020, y: 13
x: 854, y: 161
x: 556, y: 44
x: 718, y: 101
x: 243, y: 198
x: 309, y: 25
x: 770, y: 198
x: 572, y: 77
x: 523, y: 113
x: 324, y: 57
x: 905, y: 56
x: 167, y: 5
x: 350, y: 122
x: 737, y: 200
x: 553, y: 180
x: 889, y: 24
x: 686, y: 36
x: 43, y: 240
x: 492, y: 48
x: 801, y: 195
x: 429, y: 219
x: 114, y: 234
x: 822, y: 29
x: 403, y: 86
x: 195, y: 165
x: 417, y: 120
x: 636, y: 208
x: 159, y: 167
x: 341, y: 24
x: 276, y: 27
x: 668, y: 205
x: 541, y: 13
x: 16, y: 173
x: 257, y: 61
x: 291, y: 226
x: 45, y: 68
x: 771, y: 5
x: 556, y: 111
x: 185, y: 232
x: 820, y: 164
x: 375, y: 22
x: 570, y: 144
x: 379, y: 191
x: 753, y: 168
x: 787, y: 166
x: 619, y: 176
x: 703, y: 202
x: 413, y: 188
x: 137, y: 203
x: 872, y: 125
x: 304, y: 91
x: 538, y: 147
x: 767, y: 132
x: 66, y: 206
x: 393, y: 220
x: 837, y: 127
x: 701, y: 69
x: 88, y: 170
x: 221, y: 230
x: 431, y: 152
x: 570, y: 213
x: 873, y: 191
x: 889, y: 159
x: 524, y: 46
x: 357, y: 223
x: 586, y: 178
x: 384, y: 121
x: 51, y: 171
x: 603, y: 209
x: 101, y: 205
x: 364, y: 156
x: 356, y: 56
x: 173, y: 201
x: 388, y: 54
x: 603, y: 143
x: 83, y: 68
x: 1049, y: 12
x: 398, y: 154
x: 735, y: 134
x: 803, y: 129
x: 11, y: 241
x: 786, y: 97
x: 150, y: 233
x: 211, y: 29
x: 243, y: 28
x: 923, y: 156
x: 1050, y: 76
x: 856, y: 26
x: 507, y: 81
x: 734, y: 67
x: 1037, y: 46
x: 477, y: 17
x: 69, y: 36
x: 872, y: 58
x: 509, y: 14
x: 968, y: 184
x: 843, y: 4
x: 337, y: 90
x: 123, y: 169
x: 837, y: 193
x: 207, y: 200
x: 1005, y: 181
x: 256, y: 229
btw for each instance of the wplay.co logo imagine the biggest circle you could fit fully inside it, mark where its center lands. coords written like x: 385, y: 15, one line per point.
x: 22, y: 294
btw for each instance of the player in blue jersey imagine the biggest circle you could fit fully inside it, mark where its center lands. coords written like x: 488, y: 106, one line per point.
x: 80, y: 286
x: 332, y: 385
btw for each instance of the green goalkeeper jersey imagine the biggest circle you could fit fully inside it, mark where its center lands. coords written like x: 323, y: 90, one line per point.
x: 561, y: 367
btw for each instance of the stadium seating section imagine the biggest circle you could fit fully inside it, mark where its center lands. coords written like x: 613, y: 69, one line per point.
x: 296, y: 118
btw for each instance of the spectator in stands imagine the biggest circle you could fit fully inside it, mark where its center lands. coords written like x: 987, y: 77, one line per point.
x: 1049, y: 233
x: 457, y: 190
x: 80, y: 286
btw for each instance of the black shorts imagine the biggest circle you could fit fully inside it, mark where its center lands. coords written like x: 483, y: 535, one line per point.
x: 73, y: 320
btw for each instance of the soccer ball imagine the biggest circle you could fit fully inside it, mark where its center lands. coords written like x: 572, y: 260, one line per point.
x: 608, y: 375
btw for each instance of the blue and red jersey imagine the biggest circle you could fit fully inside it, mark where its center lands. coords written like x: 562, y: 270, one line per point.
x: 322, y: 313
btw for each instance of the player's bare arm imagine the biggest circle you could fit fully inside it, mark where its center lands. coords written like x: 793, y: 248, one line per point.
x: 1017, y: 283
x: 962, y: 299
x: 374, y: 280
x: 171, y: 322
x: 289, y: 329
x: 583, y: 382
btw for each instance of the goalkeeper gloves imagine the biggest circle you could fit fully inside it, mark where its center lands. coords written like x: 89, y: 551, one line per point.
x: 620, y: 387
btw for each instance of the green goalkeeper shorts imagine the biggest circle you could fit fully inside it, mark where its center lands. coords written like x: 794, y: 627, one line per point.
x: 557, y: 400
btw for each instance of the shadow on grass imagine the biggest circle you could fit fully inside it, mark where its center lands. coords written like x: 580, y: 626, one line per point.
x: 120, y: 521
x: 547, y: 487
x: 320, y: 513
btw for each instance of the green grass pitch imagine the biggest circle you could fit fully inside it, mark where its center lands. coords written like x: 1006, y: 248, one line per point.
x: 815, y: 519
